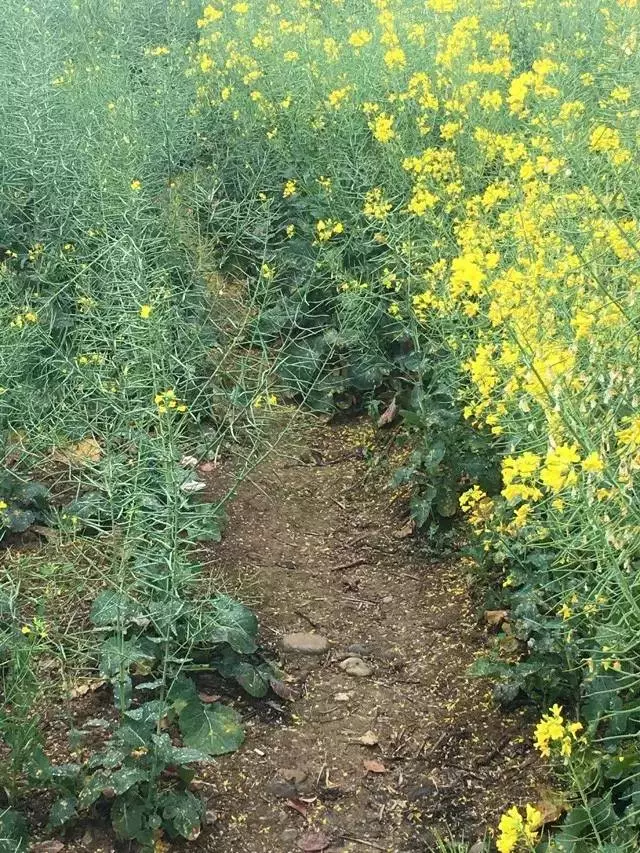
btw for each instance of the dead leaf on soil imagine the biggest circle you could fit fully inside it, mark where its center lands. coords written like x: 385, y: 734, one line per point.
x: 495, y: 617
x: 298, y: 806
x: 389, y: 414
x: 406, y: 530
x: 372, y: 766
x: 509, y: 645
x: 88, y: 686
x: 552, y: 805
x: 85, y: 452
x: 369, y: 739
x: 188, y: 461
x: 313, y: 842
x: 343, y: 697
x: 190, y: 487
x: 283, y: 690
x: 46, y: 532
x: 208, y: 698
x: 47, y: 847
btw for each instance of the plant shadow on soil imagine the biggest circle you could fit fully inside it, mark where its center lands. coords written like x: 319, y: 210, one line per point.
x: 376, y: 761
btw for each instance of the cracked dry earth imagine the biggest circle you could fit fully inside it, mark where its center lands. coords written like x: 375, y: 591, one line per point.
x: 381, y: 759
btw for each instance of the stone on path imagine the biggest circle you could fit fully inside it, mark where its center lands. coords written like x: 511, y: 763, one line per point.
x: 356, y: 667
x: 305, y: 644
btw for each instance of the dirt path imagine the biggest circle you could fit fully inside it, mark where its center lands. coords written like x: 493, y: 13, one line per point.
x: 319, y: 535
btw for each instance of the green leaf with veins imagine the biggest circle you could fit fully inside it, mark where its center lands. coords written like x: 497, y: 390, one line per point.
x: 215, y: 729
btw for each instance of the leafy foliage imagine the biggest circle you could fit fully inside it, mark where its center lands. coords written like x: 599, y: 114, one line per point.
x: 23, y: 502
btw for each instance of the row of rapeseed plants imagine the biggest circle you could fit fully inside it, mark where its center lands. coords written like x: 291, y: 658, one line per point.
x: 456, y: 181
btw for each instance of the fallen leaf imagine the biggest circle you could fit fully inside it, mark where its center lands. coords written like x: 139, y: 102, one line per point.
x: 298, y: 806
x: 509, y: 645
x: 88, y: 686
x: 495, y: 617
x: 406, y: 530
x: 293, y: 774
x: 389, y: 414
x: 84, y: 452
x: 374, y: 766
x: 368, y: 739
x: 552, y: 806
x: 283, y: 690
x: 193, y: 486
x: 342, y: 697
x: 45, y: 532
x: 188, y: 461
x: 208, y: 698
x: 47, y: 847
x: 313, y: 842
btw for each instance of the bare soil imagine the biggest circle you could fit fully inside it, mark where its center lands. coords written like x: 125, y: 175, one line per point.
x: 323, y: 539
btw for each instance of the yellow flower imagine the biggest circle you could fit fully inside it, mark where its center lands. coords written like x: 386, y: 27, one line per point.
x: 136, y: 185
x: 395, y: 57
x: 289, y: 189
x: 145, y: 311
x: 3, y: 505
x: 375, y: 204
x: 630, y: 435
x: 604, y: 138
x: 359, y: 38
x: 592, y: 463
x: 514, y: 828
x: 327, y: 228
x: 557, y: 472
x: 167, y: 401
x: 565, y: 611
x: 382, y: 128
x: 267, y: 272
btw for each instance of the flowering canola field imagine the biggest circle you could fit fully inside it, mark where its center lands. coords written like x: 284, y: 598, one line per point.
x: 440, y: 193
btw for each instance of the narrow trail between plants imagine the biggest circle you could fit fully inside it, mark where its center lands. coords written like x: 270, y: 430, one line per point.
x: 386, y: 738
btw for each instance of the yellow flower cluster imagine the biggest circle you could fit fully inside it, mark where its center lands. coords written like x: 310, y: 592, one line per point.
x: 166, y: 401
x: 25, y: 318
x: 552, y: 730
x: 375, y: 204
x: 515, y: 828
x: 483, y: 154
x: 328, y: 228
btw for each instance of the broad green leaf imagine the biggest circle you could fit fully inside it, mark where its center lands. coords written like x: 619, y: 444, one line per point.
x: 128, y: 815
x: 13, y: 831
x: 126, y: 778
x: 111, y: 608
x: 251, y: 679
x: 167, y: 753
x: 182, y: 814
x: 181, y: 693
x: 119, y: 655
x: 215, y: 729
x: 62, y: 811
x: 92, y: 790
x: 233, y: 623
x: 17, y: 520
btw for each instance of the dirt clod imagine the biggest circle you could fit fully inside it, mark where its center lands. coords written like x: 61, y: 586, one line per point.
x: 305, y: 644
x: 356, y: 667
